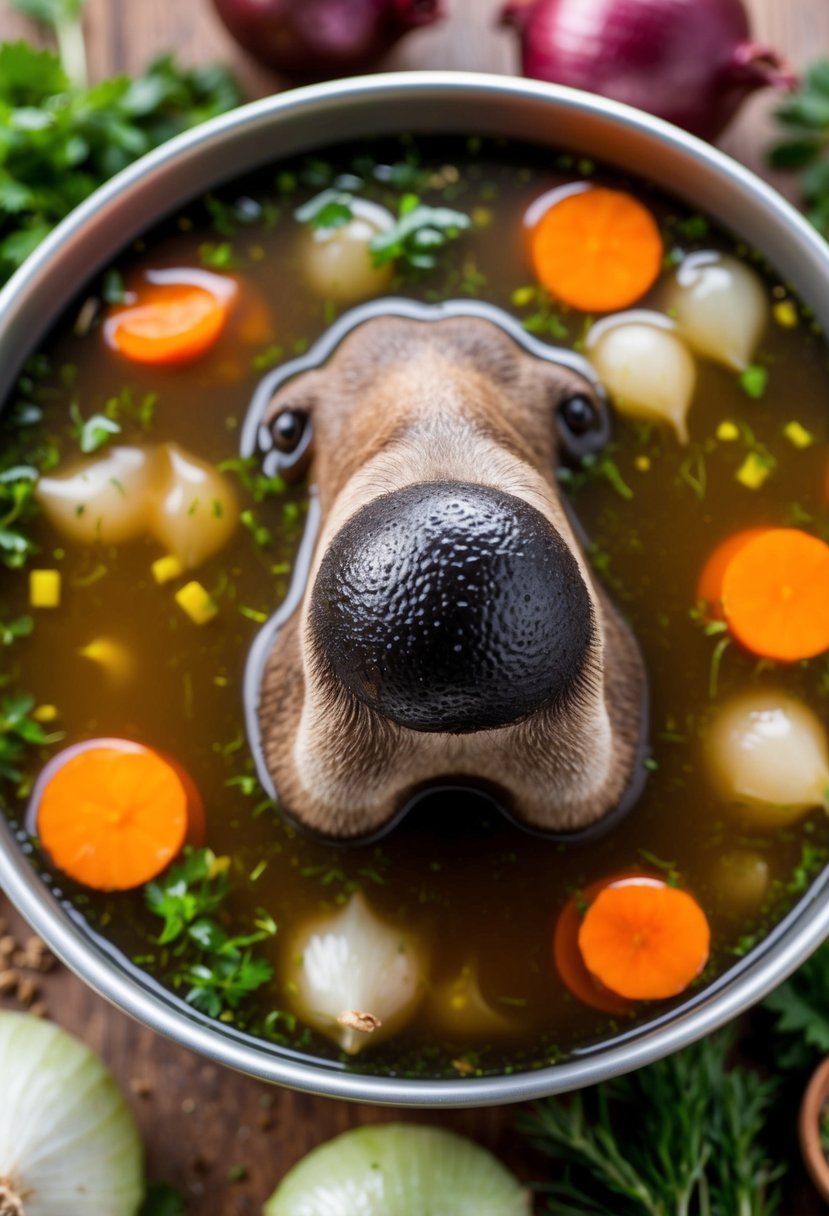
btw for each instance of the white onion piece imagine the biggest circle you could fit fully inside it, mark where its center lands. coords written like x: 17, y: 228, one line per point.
x: 352, y: 970
x: 399, y: 1169
x: 720, y: 306
x: 68, y: 1142
x: 645, y: 366
x: 337, y: 261
x: 103, y: 499
x: 769, y: 755
x: 741, y: 878
x: 193, y: 512
x: 459, y: 1008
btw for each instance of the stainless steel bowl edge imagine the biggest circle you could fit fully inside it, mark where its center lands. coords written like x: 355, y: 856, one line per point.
x: 306, y: 119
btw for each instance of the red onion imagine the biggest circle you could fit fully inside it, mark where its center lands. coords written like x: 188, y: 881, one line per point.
x: 690, y: 61
x: 322, y: 37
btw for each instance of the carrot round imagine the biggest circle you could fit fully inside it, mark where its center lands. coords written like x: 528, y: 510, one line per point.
x: 709, y: 587
x: 112, y: 814
x: 568, y: 959
x: 644, y: 939
x: 171, y: 325
x: 596, y: 249
x: 775, y: 594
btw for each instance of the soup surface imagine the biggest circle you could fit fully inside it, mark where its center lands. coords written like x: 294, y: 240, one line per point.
x: 474, y: 899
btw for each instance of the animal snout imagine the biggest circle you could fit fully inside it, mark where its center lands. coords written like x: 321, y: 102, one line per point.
x: 450, y: 606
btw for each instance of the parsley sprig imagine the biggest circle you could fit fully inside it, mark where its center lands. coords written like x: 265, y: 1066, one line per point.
x: 61, y: 140
x: 18, y: 732
x: 804, y: 117
x: 683, y: 1135
x: 419, y: 233
x: 218, y: 971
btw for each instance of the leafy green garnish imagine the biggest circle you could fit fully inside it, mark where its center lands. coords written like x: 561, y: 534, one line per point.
x: 681, y: 1136
x: 19, y: 628
x: 419, y: 232
x: 753, y: 380
x: 250, y: 475
x: 218, y: 971
x: 59, y: 141
x: 329, y: 209
x: 188, y: 892
x: 18, y: 730
x: 17, y: 506
x: 94, y: 432
x: 804, y: 115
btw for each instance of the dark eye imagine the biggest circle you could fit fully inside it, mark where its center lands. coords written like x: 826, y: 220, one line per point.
x: 579, y: 414
x: 288, y: 430
x: 583, y: 425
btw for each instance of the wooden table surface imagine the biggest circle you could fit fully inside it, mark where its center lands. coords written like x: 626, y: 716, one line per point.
x: 201, y: 1122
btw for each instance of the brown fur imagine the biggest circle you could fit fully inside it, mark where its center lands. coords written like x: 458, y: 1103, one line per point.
x: 404, y: 401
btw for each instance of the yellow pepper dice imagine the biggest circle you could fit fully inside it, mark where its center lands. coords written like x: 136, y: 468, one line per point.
x: 797, y: 435
x: 165, y: 569
x: 44, y: 588
x: 196, y: 602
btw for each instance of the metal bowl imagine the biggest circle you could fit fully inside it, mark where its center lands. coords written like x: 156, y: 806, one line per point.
x: 299, y: 121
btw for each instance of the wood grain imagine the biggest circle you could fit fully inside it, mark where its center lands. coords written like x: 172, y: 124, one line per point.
x: 200, y: 1122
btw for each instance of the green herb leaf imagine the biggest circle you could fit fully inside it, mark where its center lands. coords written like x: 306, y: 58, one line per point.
x: 190, y: 890
x: 93, y: 433
x: 419, y: 231
x: 328, y: 210
x: 753, y: 380
x: 61, y: 141
x: 804, y: 117
x: 683, y: 1135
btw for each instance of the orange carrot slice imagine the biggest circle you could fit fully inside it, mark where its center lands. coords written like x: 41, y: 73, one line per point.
x: 644, y: 939
x: 171, y: 325
x: 709, y: 587
x: 596, y: 249
x: 568, y: 958
x: 112, y: 814
x: 775, y: 594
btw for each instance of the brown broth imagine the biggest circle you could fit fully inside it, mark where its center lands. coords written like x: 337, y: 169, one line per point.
x: 455, y: 871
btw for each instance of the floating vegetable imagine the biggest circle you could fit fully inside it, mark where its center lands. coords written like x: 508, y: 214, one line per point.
x: 112, y: 814
x: 645, y: 366
x: 709, y: 586
x: 101, y: 500
x: 337, y: 257
x: 768, y: 753
x: 399, y: 1170
x: 68, y: 1142
x: 595, y: 249
x: 775, y: 594
x: 175, y: 316
x: 720, y: 307
x: 194, y: 512
x: 356, y: 978
x: 644, y: 939
x: 182, y: 501
x: 692, y: 62
x: 742, y: 881
x: 568, y: 957
x: 323, y: 37
x: 44, y: 588
x: 459, y: 1008
x: 112, y: 656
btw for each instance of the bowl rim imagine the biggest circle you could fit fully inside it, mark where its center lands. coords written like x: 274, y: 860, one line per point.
x: 49, y: 912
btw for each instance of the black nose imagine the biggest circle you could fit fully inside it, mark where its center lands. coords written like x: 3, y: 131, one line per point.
x: 448, y: 606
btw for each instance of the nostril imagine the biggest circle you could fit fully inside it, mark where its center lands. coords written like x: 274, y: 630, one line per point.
x: 452, y: 607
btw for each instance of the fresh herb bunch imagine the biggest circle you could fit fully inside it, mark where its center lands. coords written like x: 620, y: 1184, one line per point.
x: 804, y: 115
x: 801, y: 1009
x: 218, y: 971
x: 60, y: 140
x: 682, y: 1137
